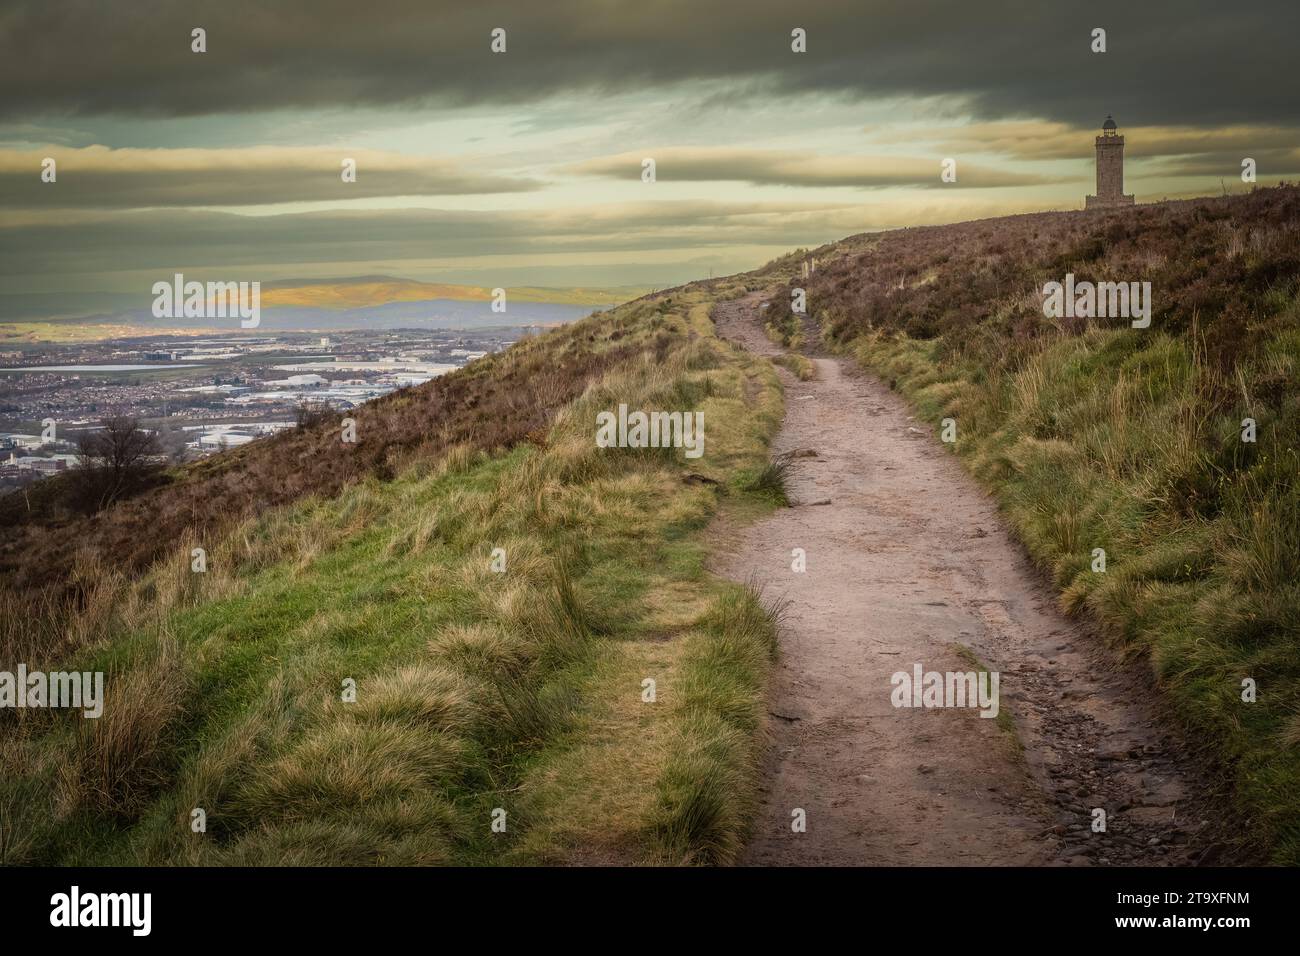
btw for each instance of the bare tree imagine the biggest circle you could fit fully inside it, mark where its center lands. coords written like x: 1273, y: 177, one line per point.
x: 115, y: 458
x: 310, y: 414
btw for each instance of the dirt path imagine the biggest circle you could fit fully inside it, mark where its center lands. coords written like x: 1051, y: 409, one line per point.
x: 908, y: 562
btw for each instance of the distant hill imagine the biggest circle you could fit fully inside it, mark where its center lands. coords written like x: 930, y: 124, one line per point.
x: 306, y: 304
x: 362, y: 291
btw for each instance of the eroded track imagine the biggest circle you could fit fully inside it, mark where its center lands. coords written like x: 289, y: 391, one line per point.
x: 908, y: 562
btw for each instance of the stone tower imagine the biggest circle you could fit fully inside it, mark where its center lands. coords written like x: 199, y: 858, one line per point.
x: 1110, y: 170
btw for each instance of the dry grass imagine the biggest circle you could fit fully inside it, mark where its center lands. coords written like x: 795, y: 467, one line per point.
x: 475, y: 690
x: 119, y: 760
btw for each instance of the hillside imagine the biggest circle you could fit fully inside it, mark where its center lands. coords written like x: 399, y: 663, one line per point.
x: 523, y: 690
x: 1092, y: 434
x: 477, y: 687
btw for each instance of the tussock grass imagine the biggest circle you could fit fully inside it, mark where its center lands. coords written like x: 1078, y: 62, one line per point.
x: 802, y: 366
x: 771, y: 480
x: 116, y: 762
x: 475, y: 690
x: 706, y: 795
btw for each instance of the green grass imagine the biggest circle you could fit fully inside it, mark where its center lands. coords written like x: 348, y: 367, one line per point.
x: 802, y: 366
x: 476, y: 691
x: 770, y: 480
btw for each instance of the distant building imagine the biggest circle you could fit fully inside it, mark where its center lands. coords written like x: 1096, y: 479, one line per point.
x: 45, y: 466
x: 1110, y: 170
x: 298, y: 381
x: 19, y: 440
x: 225, y: 440
x: 217, y: 389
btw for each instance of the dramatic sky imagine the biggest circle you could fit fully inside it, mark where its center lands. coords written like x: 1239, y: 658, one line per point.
x: 524, y: 167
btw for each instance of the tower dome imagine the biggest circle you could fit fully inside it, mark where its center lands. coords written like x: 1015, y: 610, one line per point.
x: 1109, y: 125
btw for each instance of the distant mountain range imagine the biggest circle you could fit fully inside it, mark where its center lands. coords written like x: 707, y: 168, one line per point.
x: 308, y: 304
x: 363, y: 291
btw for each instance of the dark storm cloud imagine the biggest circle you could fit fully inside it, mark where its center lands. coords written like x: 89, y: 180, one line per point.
x: 766, y: 167
x: 1271, y: 165
x: 1197, y: 62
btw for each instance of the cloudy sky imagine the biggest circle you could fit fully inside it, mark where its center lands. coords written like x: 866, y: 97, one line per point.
x: 525, y: 167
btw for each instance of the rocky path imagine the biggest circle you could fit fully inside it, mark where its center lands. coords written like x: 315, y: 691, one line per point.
x: 908, y: 562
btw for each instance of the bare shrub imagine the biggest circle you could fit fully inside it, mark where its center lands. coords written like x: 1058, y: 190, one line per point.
x: 115, y: 460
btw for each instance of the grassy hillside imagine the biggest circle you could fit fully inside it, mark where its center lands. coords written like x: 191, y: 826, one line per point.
x: 1092, y: 434
x: 521, y: 691
x: 477, y: 690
